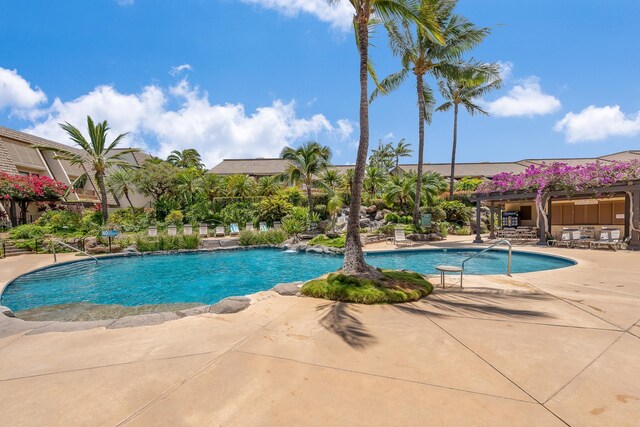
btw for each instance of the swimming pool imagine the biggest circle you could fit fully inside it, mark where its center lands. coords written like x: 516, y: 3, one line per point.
x: 208, y: 277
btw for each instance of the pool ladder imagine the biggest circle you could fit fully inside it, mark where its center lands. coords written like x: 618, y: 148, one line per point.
x: 500, y: 242
x: 60, y: 242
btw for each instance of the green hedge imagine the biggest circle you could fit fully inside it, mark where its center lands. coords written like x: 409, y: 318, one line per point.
x: 269, y: 237
x: 167, y: 243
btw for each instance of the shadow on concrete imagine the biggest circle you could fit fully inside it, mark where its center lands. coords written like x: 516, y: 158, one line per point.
x: 340, y: 318
x: 473, y: 301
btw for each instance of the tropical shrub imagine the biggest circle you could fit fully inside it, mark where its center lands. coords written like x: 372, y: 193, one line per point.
x: 467, y: 184
x: 456, y: 211
x: 56, y: 221
x: 27, y: 231
x: 274, y: 208
x: 269, y: 237
x: 239, y: 212
x: 294, y: 195
x: 323, y: 240
x: 175, y: 217
x: 130, y: 219
x: 167, y: 243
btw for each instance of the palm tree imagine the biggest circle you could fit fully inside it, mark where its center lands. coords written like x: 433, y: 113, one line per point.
x: 120, y: 183
x: 214, y: 185
x: 269, y: 185
x: 240, y: 186
x: 433, y: 184
x: 189, y: 185
x: 366, y: 14
x: 400, y: 191
x: 330, y: 179
x: 401, y: 150
x: 382, y: 156
x: 423, y: 57
x: 188, y: 158
x: 305, y: 163
x: 470, y: 84
x: 374, y: 179
x: 98, y: 155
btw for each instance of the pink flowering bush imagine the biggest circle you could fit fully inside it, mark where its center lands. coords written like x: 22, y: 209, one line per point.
x: 560, y: 176
x: 30, y: 188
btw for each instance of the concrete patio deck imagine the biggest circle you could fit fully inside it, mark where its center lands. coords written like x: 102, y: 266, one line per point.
x: 548, y: 348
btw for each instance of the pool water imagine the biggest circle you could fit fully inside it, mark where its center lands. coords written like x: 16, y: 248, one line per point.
x: 208, y: 277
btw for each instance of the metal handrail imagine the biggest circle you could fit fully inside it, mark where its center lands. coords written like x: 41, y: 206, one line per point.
x: 60, y: 242
x: 508, y: 243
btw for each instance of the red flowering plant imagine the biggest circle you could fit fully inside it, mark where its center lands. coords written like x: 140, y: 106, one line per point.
x: 26, y: 189
x: 544, y: 178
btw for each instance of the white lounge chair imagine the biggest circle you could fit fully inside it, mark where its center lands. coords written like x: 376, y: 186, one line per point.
x: 399, y: 238
x: 565, y: 239
x: 234, y: 229
x: 220, y: 231
x: 277, y: 225
x: 263, y: 226
x: 609, y: 238
x: 249, y: 226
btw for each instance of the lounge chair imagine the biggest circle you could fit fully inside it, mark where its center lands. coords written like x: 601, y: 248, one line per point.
x: 609, y: 238
x: 399, y: 238
x: 203, y: 230
x: 219, y: 231
x: 234, y: 229
x: 249, y: 226
x: 277, y: 225
x: 263, y: 226
x: 566, y: 239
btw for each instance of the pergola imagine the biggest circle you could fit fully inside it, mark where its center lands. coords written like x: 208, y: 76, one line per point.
x: 630, y: 190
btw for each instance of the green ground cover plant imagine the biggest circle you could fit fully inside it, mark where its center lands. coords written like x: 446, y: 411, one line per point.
x: 394, y: 287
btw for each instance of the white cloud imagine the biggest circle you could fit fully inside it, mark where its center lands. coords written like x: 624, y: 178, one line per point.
x: 217, y: 131
x: 506, y: 69
x: 16, y: 93
x: 174, y: 71
x: 524, y: 99
x: 339, y: 15
x: 598, y: 123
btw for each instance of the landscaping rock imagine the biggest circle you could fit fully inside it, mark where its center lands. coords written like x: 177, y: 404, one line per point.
x: 379, y: 216
x: 287, y: 289
x: 372, y: 209
x: 316, y: 249
x: 230, y: 305
x: 420, y: 237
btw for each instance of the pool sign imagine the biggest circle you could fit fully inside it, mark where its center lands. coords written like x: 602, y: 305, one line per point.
x: 109, y: 233
x: 426, y: 220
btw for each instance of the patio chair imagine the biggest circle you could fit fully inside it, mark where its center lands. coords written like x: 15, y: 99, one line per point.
x: 277, y: 225
x: 399, y: 238
x: 609, y: 238
x: 234, y: 229
x: 565, y: 239
x: 249, y: 226
x: 263, y: 226
x: 219, y: 231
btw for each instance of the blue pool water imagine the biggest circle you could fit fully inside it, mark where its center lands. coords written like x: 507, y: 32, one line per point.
x: 208, y: 277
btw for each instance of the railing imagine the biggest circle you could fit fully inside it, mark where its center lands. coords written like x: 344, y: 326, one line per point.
x: 504, y: 241
x: 60, y: 242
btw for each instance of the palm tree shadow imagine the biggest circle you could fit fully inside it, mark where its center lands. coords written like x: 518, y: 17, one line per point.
x: 342, y: 321
x: 477, y: 301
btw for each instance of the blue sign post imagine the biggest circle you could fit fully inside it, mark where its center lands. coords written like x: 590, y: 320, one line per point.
x: 110, y: 234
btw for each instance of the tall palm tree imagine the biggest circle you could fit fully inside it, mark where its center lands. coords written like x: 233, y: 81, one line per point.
x: 366, y: 14
x: 382, y: 156
x: 98, y: 155
x: 120, y: 183
x: 401, y: 150
x: 468, y: 85
x: 187, y: 158
x: 423, y: 57
x: 305, y: 163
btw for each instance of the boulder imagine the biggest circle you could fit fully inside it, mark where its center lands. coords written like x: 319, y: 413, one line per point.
x: 371, y: 209
x: 287, y: 289
x: 366, y: 223
x: 230, y: 305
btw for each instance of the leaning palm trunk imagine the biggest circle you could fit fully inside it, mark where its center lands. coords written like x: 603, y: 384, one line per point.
x: 309, y: 196
x: 416, y: 206
x: 453, y: 150
x: 103, y: 197
x: 353, y: 256
x: 126, y: 194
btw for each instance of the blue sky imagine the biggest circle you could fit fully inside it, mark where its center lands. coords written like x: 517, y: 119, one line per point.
x: 242, y: 78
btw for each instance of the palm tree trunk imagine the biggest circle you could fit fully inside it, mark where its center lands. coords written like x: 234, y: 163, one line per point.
x: 309, y: 197
x: 353, y: 257
x: 416, y: 205
x: 103, y: 197
x: 453, y: 150
x: 126, y: 194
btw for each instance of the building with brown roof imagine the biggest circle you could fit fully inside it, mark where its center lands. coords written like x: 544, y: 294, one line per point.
x: 19, y: 155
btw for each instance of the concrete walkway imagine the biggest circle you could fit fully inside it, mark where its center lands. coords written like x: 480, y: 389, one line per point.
x: 548, y: 348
